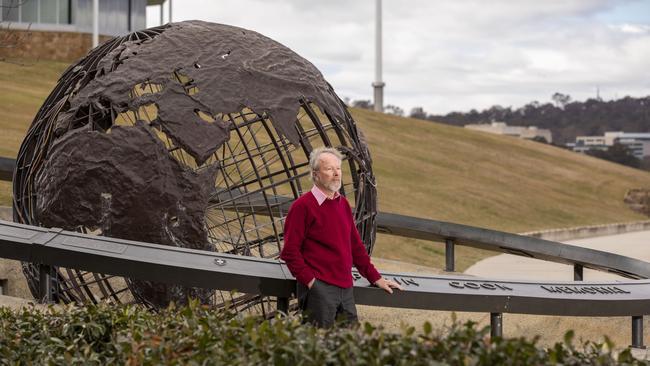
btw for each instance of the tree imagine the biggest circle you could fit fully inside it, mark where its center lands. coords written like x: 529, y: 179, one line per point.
x: 393, y: 109
x: 645, y: 163
x: 617, y: 153
x: 497, y: 113
x: 561, y: 100
x: 418, y: 112
x: 363, y: 104
x: 541, y: 139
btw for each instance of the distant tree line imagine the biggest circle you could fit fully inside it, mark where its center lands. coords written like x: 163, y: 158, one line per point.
x: 565, y: 118
x: 366, y: 104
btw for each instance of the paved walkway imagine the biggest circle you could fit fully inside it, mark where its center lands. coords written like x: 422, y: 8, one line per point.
x: 507, y: 266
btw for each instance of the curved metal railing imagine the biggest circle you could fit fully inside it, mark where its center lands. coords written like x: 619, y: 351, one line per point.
x: 457, y: 234
x: 146, y: 261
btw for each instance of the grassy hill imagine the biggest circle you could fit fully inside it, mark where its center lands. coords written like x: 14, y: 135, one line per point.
x: 449, y: 173
x: 423, y: 169
x: 23, y: 88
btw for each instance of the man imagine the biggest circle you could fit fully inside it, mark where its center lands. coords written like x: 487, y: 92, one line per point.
x: 321, y: 243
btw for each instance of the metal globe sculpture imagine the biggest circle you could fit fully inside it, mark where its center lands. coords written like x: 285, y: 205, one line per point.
x: 191, y: 134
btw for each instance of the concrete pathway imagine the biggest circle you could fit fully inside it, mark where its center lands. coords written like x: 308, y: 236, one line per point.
x: 507, y: 266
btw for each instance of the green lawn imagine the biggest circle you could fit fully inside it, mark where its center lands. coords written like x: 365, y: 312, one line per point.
x: 423, y: 169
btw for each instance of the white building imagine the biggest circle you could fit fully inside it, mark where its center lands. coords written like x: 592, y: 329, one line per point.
x: 501, y: 128
x: 637, y: 143
x: 587, y: 143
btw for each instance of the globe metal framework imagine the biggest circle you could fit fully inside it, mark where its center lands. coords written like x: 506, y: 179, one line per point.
x: 191, y: 134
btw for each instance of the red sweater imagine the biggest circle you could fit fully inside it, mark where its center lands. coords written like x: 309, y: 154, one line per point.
x: 323, y: 242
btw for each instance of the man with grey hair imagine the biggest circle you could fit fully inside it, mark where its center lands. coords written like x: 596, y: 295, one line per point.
x: 321, y: 243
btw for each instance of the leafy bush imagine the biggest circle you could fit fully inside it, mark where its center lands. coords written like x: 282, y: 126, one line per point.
x: 103, y: 334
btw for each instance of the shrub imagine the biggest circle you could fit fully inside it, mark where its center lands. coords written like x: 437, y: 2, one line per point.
x: 104, y: 334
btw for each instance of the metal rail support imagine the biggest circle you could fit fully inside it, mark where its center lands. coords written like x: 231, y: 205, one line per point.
x: 283, y: 304
x: 496, y: 325
x: 449, y: 255
x: 45, y: 283
x: 578, y: 272
x: 7, y: 168
x: 637, y: 332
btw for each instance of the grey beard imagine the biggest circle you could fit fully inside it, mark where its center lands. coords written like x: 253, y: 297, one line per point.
x: 334, y: 186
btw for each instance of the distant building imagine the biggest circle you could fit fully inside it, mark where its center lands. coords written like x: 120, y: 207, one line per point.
x: 637, y: 143
x: 588, y: 143
x: 501, y: 128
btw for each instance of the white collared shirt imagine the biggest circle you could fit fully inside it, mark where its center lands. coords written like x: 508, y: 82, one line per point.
x: 320, y: 196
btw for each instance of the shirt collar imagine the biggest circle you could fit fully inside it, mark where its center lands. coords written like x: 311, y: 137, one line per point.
x: 320, y: 196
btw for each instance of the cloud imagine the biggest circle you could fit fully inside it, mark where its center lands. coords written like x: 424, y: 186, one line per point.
x: 456, y: 55
x: 633, y: 28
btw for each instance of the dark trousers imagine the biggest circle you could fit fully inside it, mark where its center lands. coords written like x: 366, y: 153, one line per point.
x: 324, y: 304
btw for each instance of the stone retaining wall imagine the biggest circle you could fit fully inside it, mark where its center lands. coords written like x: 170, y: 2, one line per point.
x: 46, y: 45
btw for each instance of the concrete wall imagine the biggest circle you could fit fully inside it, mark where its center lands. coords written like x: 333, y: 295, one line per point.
x: 581, y: 232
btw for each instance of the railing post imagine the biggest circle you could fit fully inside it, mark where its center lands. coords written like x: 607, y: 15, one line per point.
x: 45, y: 283
x: 637, y: 332
x: 496, y: 325
x: 449, y: 255
x: 578, y: 272
x: 283, y: 304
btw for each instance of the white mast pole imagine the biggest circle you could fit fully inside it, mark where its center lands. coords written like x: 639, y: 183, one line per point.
x: 95, y: 23
x: 378, y: 85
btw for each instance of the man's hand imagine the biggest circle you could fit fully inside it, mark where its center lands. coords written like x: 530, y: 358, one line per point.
x: 388, y: 285
x: 311, y: 283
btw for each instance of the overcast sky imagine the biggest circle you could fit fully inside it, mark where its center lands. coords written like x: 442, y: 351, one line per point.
x: 455, y: 55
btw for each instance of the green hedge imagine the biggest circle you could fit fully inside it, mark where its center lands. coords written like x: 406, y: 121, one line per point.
x: 103, y: 334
